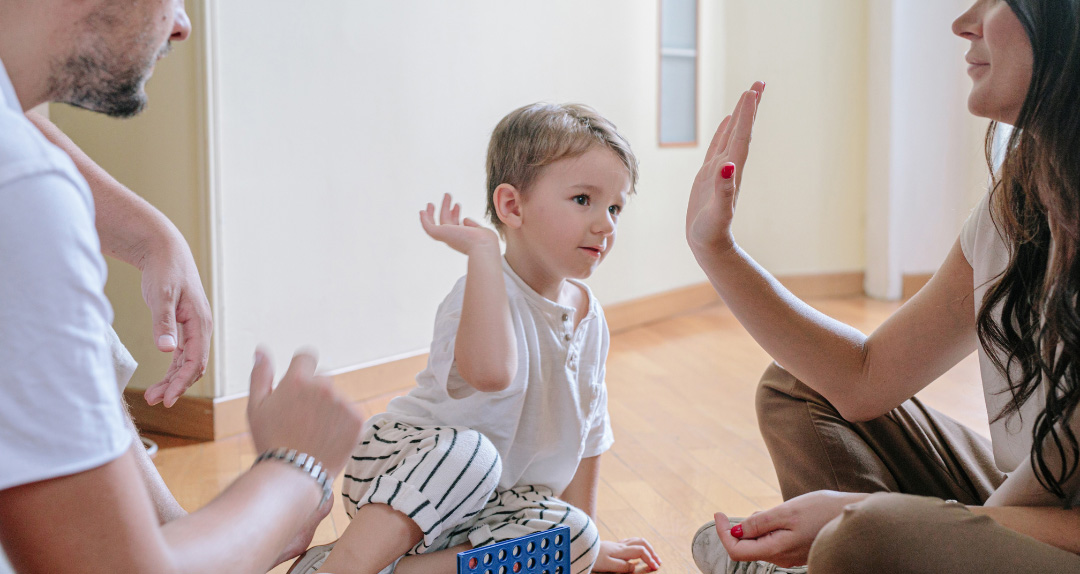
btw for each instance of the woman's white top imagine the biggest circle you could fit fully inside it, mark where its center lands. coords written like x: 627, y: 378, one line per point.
x: 988, y: 255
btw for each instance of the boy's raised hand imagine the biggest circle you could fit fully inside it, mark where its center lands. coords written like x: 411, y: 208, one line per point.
x: 463, y: 236
x: 716, y: 188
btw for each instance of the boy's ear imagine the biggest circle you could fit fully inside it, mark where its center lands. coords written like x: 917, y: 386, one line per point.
x: 508, y: 205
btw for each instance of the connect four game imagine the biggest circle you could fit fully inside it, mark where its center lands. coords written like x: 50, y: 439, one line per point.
x: 546, y: 552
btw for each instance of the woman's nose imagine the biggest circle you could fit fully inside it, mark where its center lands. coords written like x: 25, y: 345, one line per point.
x: 967, y: 24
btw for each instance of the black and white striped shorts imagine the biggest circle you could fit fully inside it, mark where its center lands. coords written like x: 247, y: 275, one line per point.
x: 445, y: 479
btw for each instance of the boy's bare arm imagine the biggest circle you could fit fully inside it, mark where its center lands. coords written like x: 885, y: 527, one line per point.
x: 485, y: 349
x: 581, y: 492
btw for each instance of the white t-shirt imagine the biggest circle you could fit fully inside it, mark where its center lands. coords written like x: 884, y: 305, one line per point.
x: 124, y: 364
x: 988, y: 255
x: 60, y: 410
x: 551, y: 416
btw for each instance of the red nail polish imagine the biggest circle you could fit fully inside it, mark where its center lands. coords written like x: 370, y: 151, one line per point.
x: 736, y: 531
x: 727, y: 171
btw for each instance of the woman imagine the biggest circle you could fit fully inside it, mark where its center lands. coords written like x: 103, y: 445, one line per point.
x: 840, y: 421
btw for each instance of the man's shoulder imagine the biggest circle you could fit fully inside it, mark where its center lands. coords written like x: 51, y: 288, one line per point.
x: 24, y: 151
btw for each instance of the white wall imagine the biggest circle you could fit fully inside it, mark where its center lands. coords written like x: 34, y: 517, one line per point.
x: 328, y: 126
x: 926, y: 159
x: 940, y: 135
x: 340, y: 120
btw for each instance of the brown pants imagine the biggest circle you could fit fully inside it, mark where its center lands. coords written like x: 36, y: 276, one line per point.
x: 913, y: 450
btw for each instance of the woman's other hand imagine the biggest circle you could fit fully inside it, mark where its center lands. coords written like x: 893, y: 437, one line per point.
x: 716, y: 187
x: 783, y: 534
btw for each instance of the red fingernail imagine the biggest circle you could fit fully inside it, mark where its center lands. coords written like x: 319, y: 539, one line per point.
x: 727, y: 171
x: 736, y: 531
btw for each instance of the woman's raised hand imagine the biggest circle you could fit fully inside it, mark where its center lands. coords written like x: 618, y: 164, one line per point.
x: 461, y: 235
x: 716, y: 188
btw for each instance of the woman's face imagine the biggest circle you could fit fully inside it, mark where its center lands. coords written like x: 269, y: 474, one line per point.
x: 1000, y: 59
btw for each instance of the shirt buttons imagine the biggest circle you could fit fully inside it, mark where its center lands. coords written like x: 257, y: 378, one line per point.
x: 567, y: 336
x: 565, y: 317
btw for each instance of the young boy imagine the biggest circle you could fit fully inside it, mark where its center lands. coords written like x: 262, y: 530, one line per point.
x: 503, y: 434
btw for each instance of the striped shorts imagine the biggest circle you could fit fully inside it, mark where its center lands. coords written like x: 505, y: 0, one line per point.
x: 445, y: 479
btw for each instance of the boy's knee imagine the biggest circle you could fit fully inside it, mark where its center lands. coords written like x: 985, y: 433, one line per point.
x: 468, y: 446
x: 584, y: 540
x: 474, y: 439
x: 869, y: 536
x: 486, y: 456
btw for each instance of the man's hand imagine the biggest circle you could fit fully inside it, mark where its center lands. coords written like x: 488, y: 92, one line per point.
x: 618, y: 556
x: 182, y: 321
x: 303, y: 412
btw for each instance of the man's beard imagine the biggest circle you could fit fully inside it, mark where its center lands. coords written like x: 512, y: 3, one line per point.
x: 102, y: 82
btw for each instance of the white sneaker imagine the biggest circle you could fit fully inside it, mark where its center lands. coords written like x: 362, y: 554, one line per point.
x: 310, y: 561
x: 711, y: 557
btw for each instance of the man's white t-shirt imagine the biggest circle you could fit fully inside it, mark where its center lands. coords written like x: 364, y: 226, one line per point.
x: 60, y: 410
x: 551, y: 416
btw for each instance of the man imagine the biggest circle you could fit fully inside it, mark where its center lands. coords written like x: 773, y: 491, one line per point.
x: 71, y: 499
x: 133, y: 231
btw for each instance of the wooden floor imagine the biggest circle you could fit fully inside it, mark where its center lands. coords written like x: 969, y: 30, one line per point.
x: 681, y: 401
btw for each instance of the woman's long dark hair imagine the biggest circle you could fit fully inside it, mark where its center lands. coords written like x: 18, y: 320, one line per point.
x: 1035, y: 202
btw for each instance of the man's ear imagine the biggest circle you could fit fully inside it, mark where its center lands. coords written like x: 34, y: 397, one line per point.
x: 508, y: 199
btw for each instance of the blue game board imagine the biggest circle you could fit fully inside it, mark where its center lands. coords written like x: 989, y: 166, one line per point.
x: 546, y: 552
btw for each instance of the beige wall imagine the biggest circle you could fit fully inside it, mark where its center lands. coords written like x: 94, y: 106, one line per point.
x: 329, y: 126
x: 803, y: 199
x: 159, y: 156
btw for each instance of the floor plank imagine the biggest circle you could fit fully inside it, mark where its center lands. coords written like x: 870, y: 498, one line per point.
x: 681, y: 395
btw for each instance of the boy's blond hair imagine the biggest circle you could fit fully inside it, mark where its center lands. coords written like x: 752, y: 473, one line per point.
x: 537, y: 135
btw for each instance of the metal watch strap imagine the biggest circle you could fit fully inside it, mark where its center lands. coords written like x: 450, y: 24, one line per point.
x: 304, y: 462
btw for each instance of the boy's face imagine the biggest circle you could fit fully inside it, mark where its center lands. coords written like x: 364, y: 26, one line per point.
x: 570, y: 213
